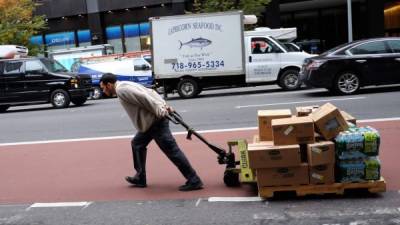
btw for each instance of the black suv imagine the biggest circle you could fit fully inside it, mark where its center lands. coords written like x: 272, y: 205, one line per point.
x: 40, y: 80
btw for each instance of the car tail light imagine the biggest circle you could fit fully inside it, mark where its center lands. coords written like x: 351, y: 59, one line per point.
x: 314, y: 65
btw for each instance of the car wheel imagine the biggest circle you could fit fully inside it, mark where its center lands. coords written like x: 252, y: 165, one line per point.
x: 347, y: 83
x: 97, y: 93
x: 59, y: 99
x: 289, y: 80
x: 79, y: 101
x: 188, y: 88
x: 4, y: 108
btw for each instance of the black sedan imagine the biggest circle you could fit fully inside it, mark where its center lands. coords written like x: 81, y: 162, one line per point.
x: 346, y: 68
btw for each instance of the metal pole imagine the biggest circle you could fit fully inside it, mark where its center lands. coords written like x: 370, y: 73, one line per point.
x: 349, y: 21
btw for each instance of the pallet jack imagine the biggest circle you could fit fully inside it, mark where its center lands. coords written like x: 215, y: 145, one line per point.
x: 233, y: 176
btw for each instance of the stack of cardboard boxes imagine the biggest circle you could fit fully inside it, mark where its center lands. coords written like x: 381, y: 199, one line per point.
x: 297, y: 149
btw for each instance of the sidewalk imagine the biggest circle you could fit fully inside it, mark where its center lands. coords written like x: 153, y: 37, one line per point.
x: 95, y: 170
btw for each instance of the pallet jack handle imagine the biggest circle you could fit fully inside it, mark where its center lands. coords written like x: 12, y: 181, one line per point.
x: 223, y: 156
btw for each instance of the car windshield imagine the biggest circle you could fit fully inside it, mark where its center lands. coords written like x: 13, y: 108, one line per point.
x: 333, y: 49
x: 291, y: 47
x: 346, y: 45
x: 53, y: 66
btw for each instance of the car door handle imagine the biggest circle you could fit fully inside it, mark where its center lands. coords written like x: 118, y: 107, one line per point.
x: 361, y: 61
x: 250, y: 58
x: 397, y: 59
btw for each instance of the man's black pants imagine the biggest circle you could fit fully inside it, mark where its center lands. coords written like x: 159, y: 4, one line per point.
x: 162, y: 135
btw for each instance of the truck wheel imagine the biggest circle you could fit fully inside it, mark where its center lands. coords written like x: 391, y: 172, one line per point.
x: 4, y: 108
x: 188, y: 88
x: 231, y: 179
x: 97, y: 93
x: 346, y: 83
x: 59, y: 99
x: 79, y: 101
x: 289, y: 80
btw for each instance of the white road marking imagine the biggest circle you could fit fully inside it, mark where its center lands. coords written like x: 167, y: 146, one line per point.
x: 198, y: 202
x: 235, y: 199
x: 396, y: 221
x: 283, y: 93
x: 269, y: 216
x: 59, y: 204
x: 300, y: 102
x: 379, y: 120
x: 360, y: 222
x: 174, y: 133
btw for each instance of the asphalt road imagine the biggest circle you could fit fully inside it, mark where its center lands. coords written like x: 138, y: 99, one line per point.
x: 356, y: 210
x: 219, y: 109
x: 222, y: 109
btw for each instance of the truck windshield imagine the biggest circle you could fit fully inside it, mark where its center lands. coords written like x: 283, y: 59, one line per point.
x: 53, y: 66
x: 280, y: 44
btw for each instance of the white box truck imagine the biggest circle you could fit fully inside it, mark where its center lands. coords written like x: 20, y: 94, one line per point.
x: 200, y: 51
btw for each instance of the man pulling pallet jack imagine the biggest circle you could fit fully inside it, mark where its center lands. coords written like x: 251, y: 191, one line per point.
x: 148, y: 112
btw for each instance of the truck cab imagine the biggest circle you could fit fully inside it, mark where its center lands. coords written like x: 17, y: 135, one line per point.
x: 268, y: 60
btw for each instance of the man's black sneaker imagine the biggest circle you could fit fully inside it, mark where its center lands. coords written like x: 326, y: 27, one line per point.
x: 136, y: 182
x: 191, y: 186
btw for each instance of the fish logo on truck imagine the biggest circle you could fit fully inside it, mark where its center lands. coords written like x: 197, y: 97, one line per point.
x: 197, y: 43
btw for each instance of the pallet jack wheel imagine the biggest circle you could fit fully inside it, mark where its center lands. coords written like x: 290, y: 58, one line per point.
x: 231, y: 179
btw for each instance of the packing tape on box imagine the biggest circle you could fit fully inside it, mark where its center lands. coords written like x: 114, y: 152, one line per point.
x: 288, y: 130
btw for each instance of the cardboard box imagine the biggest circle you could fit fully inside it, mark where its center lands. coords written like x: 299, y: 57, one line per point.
x: 268, y: 156
x: 321, y: 153
x: 294, y: 130
x: 283, y: 176
x: 305, y: 110
x: 348, y: 117
x: 328, y: 120
x: 322, y: 174
x: 264, y: 122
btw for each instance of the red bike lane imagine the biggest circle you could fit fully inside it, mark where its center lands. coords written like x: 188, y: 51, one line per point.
x: 95, y: 170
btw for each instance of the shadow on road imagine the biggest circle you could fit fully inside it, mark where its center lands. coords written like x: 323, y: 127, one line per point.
x: 363, y: 91
x: 349, y: 194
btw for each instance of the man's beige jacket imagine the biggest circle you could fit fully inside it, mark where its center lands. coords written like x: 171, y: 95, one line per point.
x: 143, y: 105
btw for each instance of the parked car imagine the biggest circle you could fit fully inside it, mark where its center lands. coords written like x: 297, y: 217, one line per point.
x: 39, y: 80
x: 346, y: 68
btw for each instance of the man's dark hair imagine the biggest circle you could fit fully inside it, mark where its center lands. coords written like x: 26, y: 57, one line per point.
x: 108, y: 78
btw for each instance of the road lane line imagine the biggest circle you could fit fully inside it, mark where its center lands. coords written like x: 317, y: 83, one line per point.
x: 300, y: 102
x: 379, y: 120
x: 198, y: 202
x: 174, y: 133
x: 235, y: 199
x: 59, y: 204
x: 285, y: 93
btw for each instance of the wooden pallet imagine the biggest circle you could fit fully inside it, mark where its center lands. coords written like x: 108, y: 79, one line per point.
x: 320, y: 189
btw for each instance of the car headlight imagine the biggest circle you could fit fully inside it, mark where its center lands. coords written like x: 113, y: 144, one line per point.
x: 314, y: 65
x: 74, y: 82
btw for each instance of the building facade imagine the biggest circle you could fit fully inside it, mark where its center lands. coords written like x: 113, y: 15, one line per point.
x: 121, y: 23
x: 321, y: 24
